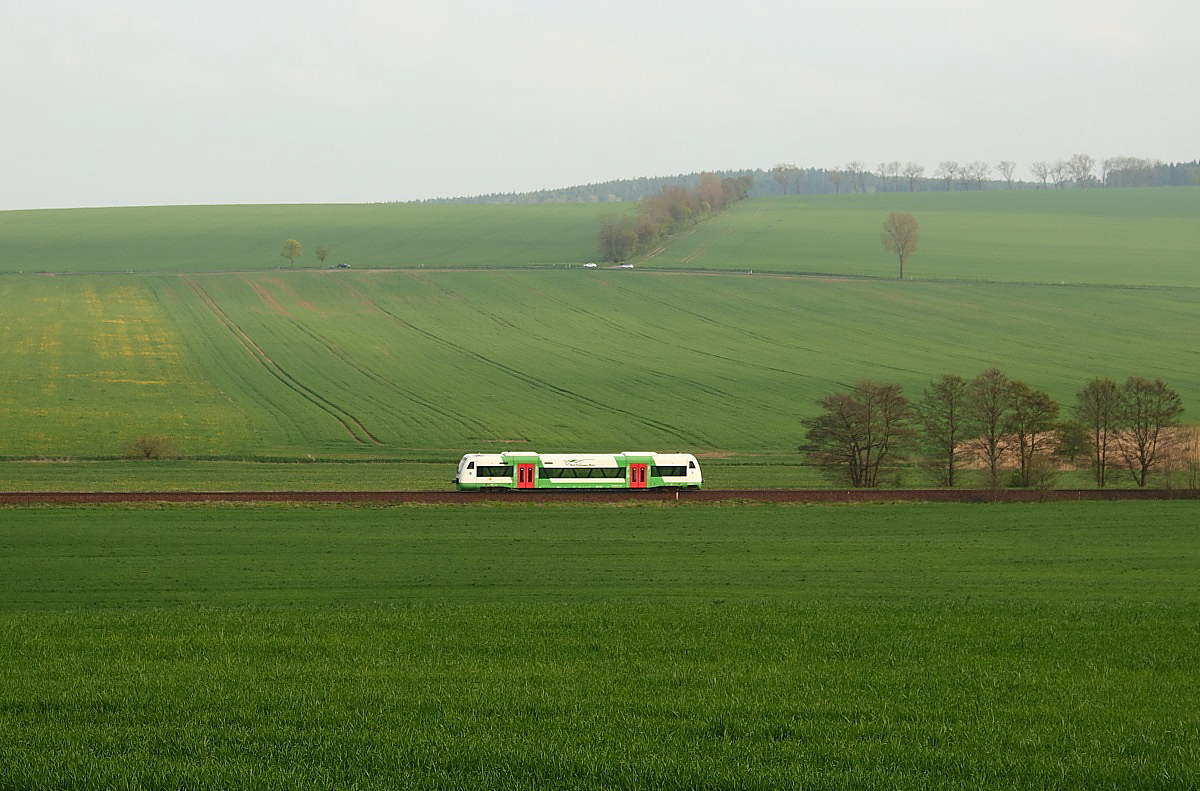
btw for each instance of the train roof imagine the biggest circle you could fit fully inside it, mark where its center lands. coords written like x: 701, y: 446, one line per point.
x: 628, y: 454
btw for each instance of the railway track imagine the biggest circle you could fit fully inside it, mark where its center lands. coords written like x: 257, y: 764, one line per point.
x: 601, y: 496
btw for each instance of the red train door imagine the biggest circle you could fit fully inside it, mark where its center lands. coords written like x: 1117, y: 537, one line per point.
x: 525, y: 474
x: 637, y: 476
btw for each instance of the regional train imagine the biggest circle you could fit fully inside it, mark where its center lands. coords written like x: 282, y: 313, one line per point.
x: 529, y: 470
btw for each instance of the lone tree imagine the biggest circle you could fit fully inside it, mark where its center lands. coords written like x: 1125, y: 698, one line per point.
x: 291, y: 251
x: 899, y: 236
x: 859, y: 434
x: 321, y: 252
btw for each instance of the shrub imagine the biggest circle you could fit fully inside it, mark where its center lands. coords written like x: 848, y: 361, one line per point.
x: 153, y: 446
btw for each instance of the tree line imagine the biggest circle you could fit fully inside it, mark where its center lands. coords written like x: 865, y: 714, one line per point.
x: 1010, y: 431
x: 1078, y: 170
x: 666, y: 212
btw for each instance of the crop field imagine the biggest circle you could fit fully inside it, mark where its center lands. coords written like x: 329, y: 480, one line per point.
x: 1143, y: 237
x: 465, y: 328
x: 1100, y: 237
x: 90, y: 364
x: 425, y: 365
x: 899, y: 647
x: 635, y: 646
x: 224, y: 238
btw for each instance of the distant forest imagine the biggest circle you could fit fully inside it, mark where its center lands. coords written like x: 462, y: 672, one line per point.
x: 1079, y: 171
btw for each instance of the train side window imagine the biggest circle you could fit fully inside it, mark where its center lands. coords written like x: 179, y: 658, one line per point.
x: 494, y: 472
x: 470, y: 465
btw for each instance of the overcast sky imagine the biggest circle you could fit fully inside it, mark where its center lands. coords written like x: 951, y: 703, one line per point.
x: 143, y: 102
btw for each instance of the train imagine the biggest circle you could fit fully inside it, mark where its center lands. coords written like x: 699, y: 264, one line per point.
x: 530, y: 470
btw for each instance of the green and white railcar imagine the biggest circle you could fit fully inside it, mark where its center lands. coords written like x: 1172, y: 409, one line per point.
x: 528, y: 470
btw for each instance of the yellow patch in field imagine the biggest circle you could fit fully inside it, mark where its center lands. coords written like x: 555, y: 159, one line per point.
x: 91, y: 363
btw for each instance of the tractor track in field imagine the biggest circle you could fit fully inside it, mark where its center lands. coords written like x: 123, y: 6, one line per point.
x: 353, y: 427
x: 618, y: 327
x: 538, y: 382
x: 611, y: 496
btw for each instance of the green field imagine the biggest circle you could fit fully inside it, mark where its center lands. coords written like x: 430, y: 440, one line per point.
x: 637, y: 646
x: 898, y: 647
x: 1145, y: 237
x: 404, y: 363
x: 1109, y: 237
x: 424, y: 366
x: 225, y: 238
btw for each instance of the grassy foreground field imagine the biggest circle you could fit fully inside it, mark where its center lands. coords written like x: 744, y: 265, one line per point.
x: 901, y: 647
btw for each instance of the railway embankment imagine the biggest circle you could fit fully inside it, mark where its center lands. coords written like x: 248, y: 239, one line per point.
x: 799, y: 496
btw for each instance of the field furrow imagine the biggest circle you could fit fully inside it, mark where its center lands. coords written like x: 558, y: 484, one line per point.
x: 546, y: 385
x: 494, y: 335
x: 351, y: 425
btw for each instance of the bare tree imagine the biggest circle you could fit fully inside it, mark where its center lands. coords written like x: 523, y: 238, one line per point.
x: 1185, y: 458
x: 899, y: 236
x: 782, y: 173
x: 888, y: 174
x: 942, y: 412
x: 913, y: 172
x: 1060, y: 172
x: 1041, y: 172
x: 947, y: 171
x: 1147, y: 410
x: 1097, y: 410
x: 881, y: 173
x: 977, y: 171
x: 894, y: 168
x: 989, y: 404
x: 1107, y: 166
x: 1007, y: 169
x: 858, y: 173
x: 860, y: 434
x: 1080, y: 167
x: 836, y: 177
x: 1031, y: 422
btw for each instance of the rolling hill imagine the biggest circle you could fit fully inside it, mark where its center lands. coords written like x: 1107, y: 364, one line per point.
x: 686, y: 351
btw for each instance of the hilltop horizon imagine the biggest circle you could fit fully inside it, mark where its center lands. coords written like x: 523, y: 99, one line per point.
x: 854, y: 177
